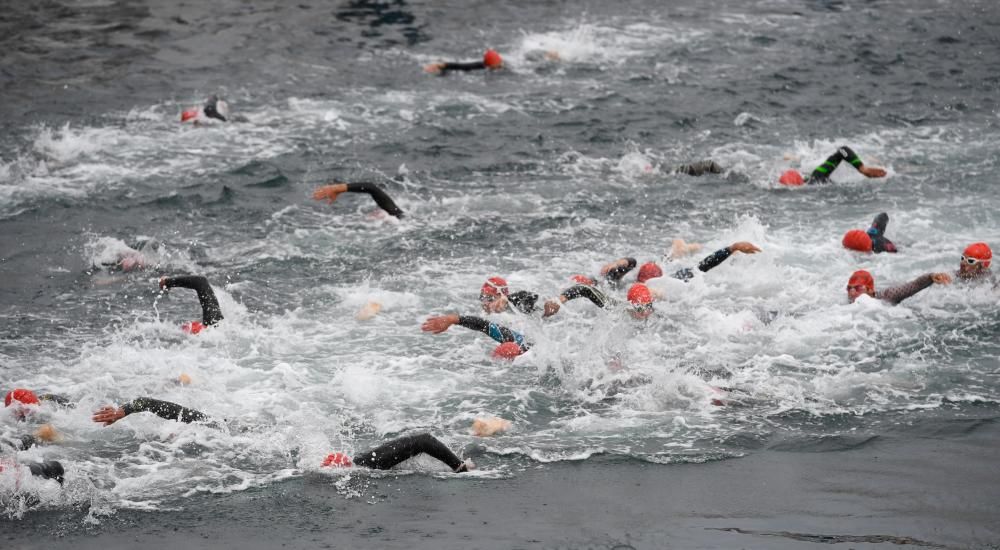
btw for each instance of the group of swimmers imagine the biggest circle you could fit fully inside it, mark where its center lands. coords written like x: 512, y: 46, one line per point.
x: 495, y: 296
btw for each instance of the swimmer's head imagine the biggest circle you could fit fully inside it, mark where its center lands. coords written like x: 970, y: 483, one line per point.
x: 584, y: 280
x: 493, y: 295
x: 492, y: 59
x: 857, y: 240
x: 22, y: 400
x: 648, y: 271
x: 337, y: 460
x: 976, y: 259
x: 192, y: 327
x: 190, y: 114
x: 791, y: 177
x: 641, y: 300
x: 861, y: 282
x: 507, y: 350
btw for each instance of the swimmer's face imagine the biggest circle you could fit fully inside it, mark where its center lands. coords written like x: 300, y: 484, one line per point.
x: 854, y: 291
x: 641, y: 312
x: 970, y: 267
x: 494, y: 304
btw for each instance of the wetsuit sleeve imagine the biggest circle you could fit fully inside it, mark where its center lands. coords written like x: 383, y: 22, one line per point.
x: 699, y: 168
x: 616, y: 274
x: 823, y: 171
x: 497, y: 332
x: 389, y: 454
x: 714, y: 259
x: 60, y: 400
x: 523, y: 300
x: 899, y: 293
x: 163, y: 409
x: 583, y: 291
x: 470, y: 66
x: 378, y: 195
x: 50, y: 469
x: 211, y: 313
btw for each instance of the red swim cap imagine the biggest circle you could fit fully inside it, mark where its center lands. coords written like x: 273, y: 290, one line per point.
x: 492, y: 59
x: 194, y: 327
x: 979, y: 251
x: 338, y: 460
x: 189, y: 114
x: 494, y: 286
x: 648, y: 271
x: 639, y: 295
x: 791, y: 177
x: 21, y: 395
x: 862, y: 278
x: 857, y: 239
x: 584, y: 280
x: 507, y: 350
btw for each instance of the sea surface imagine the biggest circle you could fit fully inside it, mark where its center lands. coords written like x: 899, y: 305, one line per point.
x: 534, y: 173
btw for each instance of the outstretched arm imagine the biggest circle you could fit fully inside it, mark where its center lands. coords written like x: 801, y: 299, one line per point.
x: 617, y: 269
x: 897, y: 294
x: 443, y: 67
x: 497, y: 332
x: 598, y: 298
x: 713, y: 260
x: 211, y: 313
x: 844, y: 153
x: 330, y: 193
x: 108, y: 414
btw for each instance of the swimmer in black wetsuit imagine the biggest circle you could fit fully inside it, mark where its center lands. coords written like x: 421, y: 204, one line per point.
x: 640, y: 299
x: 491, y: 60
x: 330, y: 192
x: 495, y: 297
x: 382, y: 457
x: 862, y: 282
x: 872, y: 240
x: 213, y: 109
x: 23, y: 400
x: 211, y: 313
x: 822, y: 173
x: 512, y: 343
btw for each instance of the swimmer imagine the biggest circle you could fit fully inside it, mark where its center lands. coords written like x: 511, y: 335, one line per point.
x: 862, y: 282
x: 495, y: 297
x: 109, y: 414
x: 491, y: 60
x: 25, y: 403
x: 611, y: 273
x: 391, y: 453
x: 213, y: 109
x: 512, y: 344
x: 330, y: 192
x: 822, y: 173
x: 873, y: 240
x: 650, y: 270
x: 975, y: 264
x: 211, y: 313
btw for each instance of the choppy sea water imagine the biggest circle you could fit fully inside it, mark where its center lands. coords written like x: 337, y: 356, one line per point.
x: 548, y: 169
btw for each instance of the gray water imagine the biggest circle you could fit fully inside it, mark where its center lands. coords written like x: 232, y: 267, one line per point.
x: 535, y: 173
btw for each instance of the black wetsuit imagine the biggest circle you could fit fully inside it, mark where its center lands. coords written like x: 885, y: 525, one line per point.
x: 459, y: 66
x: 389, y: 454
x: 877, y: 233
x: 378, y: 195
x: 497, y: 332
x: 211, y: 313
x: 48, y: 469
x: 211, y: 109
x: 710, y: 262
x: 598, y: 298
x: 163, y: 409
x: 823, y: 172
x: 523, y: 301
x: 699, y: 168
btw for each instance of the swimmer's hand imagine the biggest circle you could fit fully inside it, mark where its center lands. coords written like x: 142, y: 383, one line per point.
x: 872, y: 171
x: 941, y: 278
x: 485, y: 427
x: 434, y: 68
x: 368, y: 311
x: 551, y: 308
x: 329, y: 193
x: 108, y: 415
x: 437, y: 325
x: 744, y: 247
x: 679, y: 248
x: 47, y: 432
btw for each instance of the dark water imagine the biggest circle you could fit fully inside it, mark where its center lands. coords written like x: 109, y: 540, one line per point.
x: 544, y: 170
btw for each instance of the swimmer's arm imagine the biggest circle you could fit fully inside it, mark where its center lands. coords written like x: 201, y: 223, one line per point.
x: 617, y: 269
x: 897, y: 294
x: 330, y: 193
x: 211, y: 313
x: 445, y: 66
x: 598, y: 298
x: 713, y: 260
x: 108, y: 415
